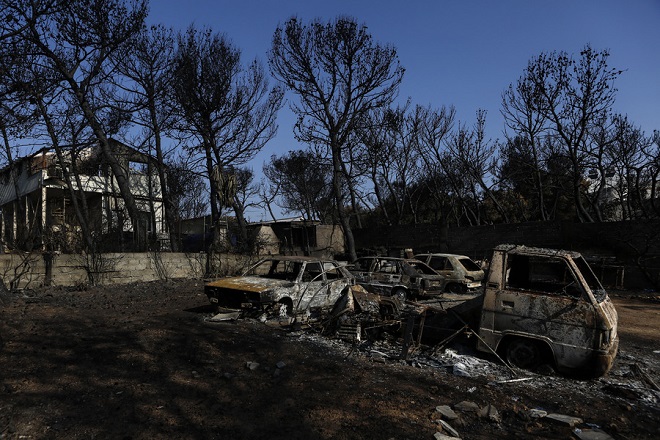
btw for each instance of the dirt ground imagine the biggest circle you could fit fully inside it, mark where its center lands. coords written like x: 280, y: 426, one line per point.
x: 142, y: 361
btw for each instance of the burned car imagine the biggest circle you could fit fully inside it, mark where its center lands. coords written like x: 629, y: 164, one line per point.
x: 287, y: 285
x: 399, y: 277
x: 462, y: 274
x: 547, y: 305
x: 539, y: 307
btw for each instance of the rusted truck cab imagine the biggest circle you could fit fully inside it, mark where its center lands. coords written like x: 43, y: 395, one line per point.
x: 547, y: 306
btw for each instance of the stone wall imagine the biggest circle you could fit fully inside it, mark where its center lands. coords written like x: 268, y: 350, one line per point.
x: 625, y: 254
x: 30, y: 270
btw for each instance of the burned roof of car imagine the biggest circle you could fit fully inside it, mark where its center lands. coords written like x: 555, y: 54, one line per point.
x: 299, y: 258
x: 442, y: 254
x: 407, y: 260
x: 521, y: 249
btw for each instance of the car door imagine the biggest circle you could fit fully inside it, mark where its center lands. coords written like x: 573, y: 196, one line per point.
x: 337, y: 280
x: 443, y: 266
x: 361, y: 269
x: 314, y: 289
x: 386, y: 274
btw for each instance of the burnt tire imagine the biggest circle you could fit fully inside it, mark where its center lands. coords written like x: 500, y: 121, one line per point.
x: 456, y: 288
x: 286, y: 307
x: 523, y: 353
x: 400, y: 293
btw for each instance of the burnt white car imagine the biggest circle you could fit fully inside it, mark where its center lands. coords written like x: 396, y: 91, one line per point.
x: 462, y: 274
x: 290, y: 284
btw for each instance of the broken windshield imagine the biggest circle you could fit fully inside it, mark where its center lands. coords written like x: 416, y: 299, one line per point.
x: 469, y: 265
x: 591, y: 279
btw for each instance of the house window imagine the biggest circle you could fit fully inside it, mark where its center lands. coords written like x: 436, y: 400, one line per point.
x: 138, y: 168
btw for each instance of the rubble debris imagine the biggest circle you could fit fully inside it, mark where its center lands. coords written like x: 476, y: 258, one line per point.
x: 635, y: 368
x: 564, y: 419
x: 441, y: 436
x: 225, y: 315
x: 359, y: 314
x: 466, y: 365
x: 280, y: 365
x: 447, y: 428
x: 467, y: 406
x: 591, y: 434
x: 537, y: 413
x: 377, y: 356
x: 460, y: 369
x: 490, y: 412
x: 446, y: 412
x: 252, y: 365
x: 520, y: 379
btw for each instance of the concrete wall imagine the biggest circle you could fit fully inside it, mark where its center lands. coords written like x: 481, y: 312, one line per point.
x: 633, y: 245
x: 29, y: 270
x: 329, y: 240
x: 267, y: 241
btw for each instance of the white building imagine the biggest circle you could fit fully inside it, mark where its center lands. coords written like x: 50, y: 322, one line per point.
x: 37, y: 206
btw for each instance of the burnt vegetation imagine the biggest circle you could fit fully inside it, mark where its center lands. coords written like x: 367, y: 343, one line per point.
x: 81, y: 73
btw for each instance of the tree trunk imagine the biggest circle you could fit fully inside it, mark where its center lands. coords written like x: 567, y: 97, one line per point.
x: 337, y: 175
x: 239, y: 211
x: 215, y: 216
x: 21, y: 221
x: 164, y: 189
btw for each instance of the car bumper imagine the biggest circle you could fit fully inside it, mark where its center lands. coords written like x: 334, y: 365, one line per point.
x: 603, y: 361
x: 235, y: 299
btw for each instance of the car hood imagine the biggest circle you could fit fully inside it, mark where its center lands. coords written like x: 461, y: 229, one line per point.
x: 431, y: 277
x: 249, y: 284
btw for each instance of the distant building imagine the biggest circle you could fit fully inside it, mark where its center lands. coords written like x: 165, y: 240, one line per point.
x: 195, y: 233
x: 620, y: 199
x: 37, y: 206
x: 289, y: 236
x: 297, y: 236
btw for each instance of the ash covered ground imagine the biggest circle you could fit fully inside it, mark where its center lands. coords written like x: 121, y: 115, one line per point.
x: 143, y: 361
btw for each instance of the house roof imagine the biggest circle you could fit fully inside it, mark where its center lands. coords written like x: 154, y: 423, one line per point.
x: 51, y: 150
x: 286, y: 220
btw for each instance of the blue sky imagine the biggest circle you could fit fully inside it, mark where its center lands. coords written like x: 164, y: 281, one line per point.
x: 461, y: 53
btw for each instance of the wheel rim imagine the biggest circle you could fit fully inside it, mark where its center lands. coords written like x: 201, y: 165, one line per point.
x: 399, y: 294
x: 286, y: 308
x: 523, y: 353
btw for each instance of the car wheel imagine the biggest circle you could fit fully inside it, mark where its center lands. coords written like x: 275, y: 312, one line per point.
x: 400, y: 293
x: 456, y: 288
x: 286, y: 307
x: 523, y: 353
